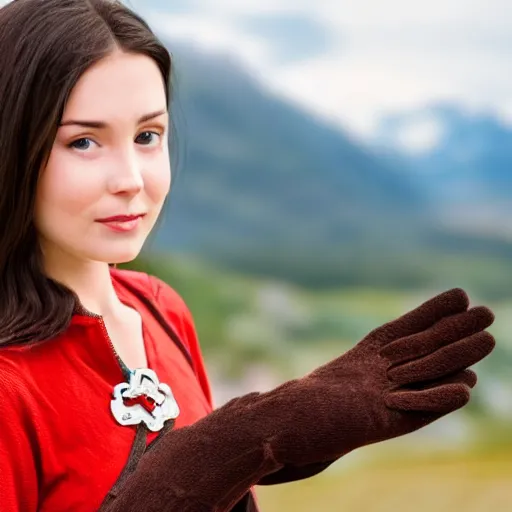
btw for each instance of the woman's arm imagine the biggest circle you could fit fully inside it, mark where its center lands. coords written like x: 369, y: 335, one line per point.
x: 401, y: 377
x: 18, y: 466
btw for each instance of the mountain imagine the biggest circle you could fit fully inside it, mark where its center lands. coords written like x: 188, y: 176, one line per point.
x: 255, y: 170
x: 262, y: 187
x: 466, y: 171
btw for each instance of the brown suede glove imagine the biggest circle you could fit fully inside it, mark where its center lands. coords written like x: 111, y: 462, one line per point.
x: 399, y: 378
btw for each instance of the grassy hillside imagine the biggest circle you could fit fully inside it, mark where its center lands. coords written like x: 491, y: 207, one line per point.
x: 462, y: 481
x: 242, y: 320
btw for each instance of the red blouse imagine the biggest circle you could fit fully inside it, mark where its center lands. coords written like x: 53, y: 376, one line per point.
x: 60, y: 447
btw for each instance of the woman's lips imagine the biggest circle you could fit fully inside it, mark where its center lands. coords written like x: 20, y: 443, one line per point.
x: 122, y: 223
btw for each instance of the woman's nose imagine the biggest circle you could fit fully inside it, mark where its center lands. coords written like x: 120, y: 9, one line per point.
x: 127, y: 178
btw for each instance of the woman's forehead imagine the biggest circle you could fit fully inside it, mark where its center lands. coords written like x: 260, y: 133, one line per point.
x: 122, y: 86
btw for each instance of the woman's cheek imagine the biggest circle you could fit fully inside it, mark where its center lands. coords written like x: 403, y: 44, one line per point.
x: 70, y: 183
x: 158, y: 179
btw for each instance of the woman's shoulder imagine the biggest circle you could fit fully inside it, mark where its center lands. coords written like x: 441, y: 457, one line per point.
x: 14, y: 386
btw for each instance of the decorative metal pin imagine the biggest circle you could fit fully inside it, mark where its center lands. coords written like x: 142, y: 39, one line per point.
x: 145, y: 399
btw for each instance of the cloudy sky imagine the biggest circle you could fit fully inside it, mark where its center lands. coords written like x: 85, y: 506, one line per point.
x: 355, y: 61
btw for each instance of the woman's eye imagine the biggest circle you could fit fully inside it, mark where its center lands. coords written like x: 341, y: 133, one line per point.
x: 148, y: 138
x: 82, y: 144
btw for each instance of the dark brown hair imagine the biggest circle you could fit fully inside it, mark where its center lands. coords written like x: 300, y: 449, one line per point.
x: 45, y: 46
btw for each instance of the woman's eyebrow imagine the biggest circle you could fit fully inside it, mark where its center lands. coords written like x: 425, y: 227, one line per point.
x: 103, y: 124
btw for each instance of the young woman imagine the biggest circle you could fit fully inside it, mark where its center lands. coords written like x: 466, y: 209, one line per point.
x: 104, y: 399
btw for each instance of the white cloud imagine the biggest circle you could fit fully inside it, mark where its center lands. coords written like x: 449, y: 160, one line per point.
x: 375, y: 75
x: 420, y: 135
x: 212, y: 34
x: 505, y: 112
x: 401, y: 55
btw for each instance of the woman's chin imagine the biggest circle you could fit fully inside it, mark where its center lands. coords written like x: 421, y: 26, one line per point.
x: 117, y: 257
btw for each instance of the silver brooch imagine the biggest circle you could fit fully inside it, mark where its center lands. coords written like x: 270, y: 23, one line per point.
x: 145, y: 399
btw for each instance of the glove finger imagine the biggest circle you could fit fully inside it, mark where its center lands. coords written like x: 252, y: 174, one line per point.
x: 467, y: 377
x: 439, y: 399
x: 445, y: 361
x: 442, y: 333
x: 424, y: 316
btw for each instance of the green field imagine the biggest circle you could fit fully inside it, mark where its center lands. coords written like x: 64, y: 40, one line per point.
x: 242, y: 319
x: 468, y: 483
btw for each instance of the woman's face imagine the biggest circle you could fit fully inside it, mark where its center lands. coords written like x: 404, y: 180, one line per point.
x: 110, y: 159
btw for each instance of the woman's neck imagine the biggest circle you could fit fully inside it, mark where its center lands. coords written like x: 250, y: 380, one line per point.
x: 90, y: 280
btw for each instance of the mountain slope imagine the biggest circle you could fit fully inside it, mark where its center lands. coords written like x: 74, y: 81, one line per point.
x: 466, y: 171
x: 258, y: 171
